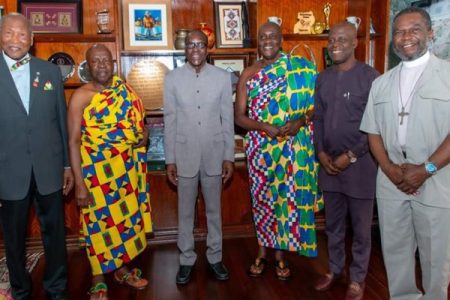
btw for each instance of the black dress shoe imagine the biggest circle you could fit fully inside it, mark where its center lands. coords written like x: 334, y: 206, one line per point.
x: 184, y: 274
x: 219, y: 270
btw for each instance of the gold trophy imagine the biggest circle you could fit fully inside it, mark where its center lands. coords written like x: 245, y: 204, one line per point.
x: 327, y: 12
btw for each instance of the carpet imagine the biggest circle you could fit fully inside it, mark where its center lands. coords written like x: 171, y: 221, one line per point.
x: 5, y: 287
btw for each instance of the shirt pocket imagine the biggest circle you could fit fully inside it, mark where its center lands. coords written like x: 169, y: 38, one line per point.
x: 435, y: 105
x: 383, y: 113
x: 355, y: 104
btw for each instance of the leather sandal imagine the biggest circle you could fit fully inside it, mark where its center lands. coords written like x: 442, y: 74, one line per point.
x: 258, y: 267
x: 99, y: 291
x: 132, y: 279
x: 282, y: 270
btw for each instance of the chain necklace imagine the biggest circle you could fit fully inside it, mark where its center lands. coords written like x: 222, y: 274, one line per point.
x: 403, y: 113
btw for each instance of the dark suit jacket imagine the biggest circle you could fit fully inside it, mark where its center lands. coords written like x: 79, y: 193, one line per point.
x: 35, y: 142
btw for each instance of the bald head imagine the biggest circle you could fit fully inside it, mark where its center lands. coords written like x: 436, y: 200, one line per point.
x: 97, y: 47
x: 272, y: 27
x: 198, y: 33
x: 349, y: 28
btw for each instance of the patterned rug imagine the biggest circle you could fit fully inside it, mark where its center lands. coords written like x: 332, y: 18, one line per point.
x: 5, y: 288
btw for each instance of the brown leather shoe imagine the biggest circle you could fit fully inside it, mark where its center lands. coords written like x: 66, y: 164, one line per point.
x: 326, y: 281
x: 355, y: 291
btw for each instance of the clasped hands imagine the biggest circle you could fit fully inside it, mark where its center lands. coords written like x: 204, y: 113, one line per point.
x: 336, y: 166
x: 289, y: 129
x: 407, y: 177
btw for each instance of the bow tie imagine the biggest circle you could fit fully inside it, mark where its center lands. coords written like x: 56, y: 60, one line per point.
x: 21, y: 62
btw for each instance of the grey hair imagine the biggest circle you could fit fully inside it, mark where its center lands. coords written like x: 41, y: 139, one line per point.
x: 19, y: 16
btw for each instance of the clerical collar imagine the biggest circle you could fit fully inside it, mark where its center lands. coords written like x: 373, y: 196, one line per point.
x: 418, y: 61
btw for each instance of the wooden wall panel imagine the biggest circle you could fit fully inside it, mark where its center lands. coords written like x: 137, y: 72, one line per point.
x: 189, y: 14
x: 163, y: 199
x: 89, y: 14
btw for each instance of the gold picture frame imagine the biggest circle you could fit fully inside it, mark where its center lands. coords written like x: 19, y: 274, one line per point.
x: 147, y: 25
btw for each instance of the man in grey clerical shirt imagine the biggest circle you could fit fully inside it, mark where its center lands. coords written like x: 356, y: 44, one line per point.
x: 199, y: 146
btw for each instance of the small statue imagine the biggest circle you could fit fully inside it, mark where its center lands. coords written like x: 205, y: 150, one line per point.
x: 327, y: 12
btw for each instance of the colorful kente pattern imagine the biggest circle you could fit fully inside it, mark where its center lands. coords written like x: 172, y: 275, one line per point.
x: 283, y: 171
x: 114, y: 172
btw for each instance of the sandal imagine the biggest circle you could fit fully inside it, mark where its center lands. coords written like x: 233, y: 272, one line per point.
x: 99, y: 291
x: 132, y: 279
x: 258, y: 267
x: 282, y: 270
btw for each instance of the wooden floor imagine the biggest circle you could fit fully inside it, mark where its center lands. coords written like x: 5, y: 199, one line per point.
x: 160, y: 263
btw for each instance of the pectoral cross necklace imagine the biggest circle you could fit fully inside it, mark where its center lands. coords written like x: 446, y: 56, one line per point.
x: 403, y: 113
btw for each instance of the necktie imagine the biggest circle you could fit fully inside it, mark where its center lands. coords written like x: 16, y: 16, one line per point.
x: 21, y: 62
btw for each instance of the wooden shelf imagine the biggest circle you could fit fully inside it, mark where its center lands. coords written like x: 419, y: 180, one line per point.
x: 303, y: 37
x: 154, y: 113
x: 232, y: 51
x: 375, y: 35
x: 181, y: 52
x: 73, y: 38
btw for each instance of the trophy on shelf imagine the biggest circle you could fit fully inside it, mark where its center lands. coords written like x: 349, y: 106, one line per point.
x: 103, y: 21
x: 327, y: 12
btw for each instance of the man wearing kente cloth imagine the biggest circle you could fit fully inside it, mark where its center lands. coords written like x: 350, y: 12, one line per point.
x: 279, y: 94
x: 107, y: 140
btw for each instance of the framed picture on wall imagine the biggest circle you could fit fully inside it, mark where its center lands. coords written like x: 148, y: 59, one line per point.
x: 229, y: 29
x: 231, y: 63
x: 147, y: 25
x: 234, y: 64
x: 63, y: 16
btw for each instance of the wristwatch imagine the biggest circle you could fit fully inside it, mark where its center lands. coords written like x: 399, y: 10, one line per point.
x: 430, y: 168
x: 353, y: 158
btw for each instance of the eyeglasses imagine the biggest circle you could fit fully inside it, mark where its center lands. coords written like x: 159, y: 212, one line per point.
x: 198, y: 45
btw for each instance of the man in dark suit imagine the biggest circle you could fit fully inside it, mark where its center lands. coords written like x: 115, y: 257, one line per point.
x: 33, y: 157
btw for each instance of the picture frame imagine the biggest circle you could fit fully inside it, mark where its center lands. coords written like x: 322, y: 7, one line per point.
x: 63, y: 16
x: 147, y: 25
x: 234, y: 64
x: 229, y: 24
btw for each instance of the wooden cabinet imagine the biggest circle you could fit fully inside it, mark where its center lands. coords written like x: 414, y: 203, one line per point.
x: 236, y: 203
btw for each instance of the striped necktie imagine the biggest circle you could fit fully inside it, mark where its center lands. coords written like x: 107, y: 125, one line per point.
x: 21, y: 62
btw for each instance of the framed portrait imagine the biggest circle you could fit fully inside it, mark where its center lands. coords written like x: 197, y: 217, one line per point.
x: 234, y: 64
x: 229, y: 21
x: 147, y: 25
x: 63, y: 16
